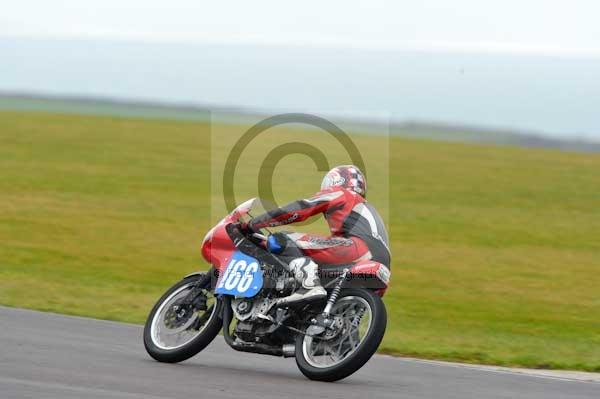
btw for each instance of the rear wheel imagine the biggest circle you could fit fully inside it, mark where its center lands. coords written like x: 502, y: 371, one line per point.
x: 360, y: 321
x: 177, y: 329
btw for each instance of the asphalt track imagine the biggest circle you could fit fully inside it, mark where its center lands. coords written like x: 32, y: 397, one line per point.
x: 44, y: 355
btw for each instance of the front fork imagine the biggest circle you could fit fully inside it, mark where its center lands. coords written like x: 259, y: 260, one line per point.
x: 196, y: 298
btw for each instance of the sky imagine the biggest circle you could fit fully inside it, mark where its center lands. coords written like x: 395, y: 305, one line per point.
x: 567, y: 28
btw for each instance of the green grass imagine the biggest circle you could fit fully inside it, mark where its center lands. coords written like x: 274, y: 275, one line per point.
x: 496, y: 249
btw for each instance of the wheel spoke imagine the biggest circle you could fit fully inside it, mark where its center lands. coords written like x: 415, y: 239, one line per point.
x: 324, y: 352
x: 352, y: 342
x: 343, y: 312
x: 340, y: 345
x: 175, y: 327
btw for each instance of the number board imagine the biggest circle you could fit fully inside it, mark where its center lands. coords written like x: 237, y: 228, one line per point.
x: 242, y: 277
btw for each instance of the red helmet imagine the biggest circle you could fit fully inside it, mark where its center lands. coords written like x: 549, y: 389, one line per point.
x: 347, y: 176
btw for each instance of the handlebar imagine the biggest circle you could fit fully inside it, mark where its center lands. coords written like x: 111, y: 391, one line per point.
x: 260, y: 236
x: 246, y: 231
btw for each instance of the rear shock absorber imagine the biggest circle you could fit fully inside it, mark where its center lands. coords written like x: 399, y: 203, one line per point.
x: 335, y: 293
x: 322, y: 321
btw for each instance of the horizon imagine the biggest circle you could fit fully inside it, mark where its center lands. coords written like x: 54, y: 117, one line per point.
x: 550, y: 96
x: 419, y: 129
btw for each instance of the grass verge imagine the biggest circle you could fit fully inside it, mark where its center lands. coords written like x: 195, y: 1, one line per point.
x: 496, y: 249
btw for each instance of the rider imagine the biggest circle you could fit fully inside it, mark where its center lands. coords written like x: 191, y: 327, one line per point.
x: 357, y: 231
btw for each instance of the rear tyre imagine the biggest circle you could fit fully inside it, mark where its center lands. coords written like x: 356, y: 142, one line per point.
x: 174, y: 333
x: 361, y: 319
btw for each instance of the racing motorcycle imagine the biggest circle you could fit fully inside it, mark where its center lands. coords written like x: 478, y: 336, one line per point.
x: 330, y: 338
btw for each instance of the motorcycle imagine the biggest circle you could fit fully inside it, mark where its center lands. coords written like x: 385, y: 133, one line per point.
x: 330, y: 338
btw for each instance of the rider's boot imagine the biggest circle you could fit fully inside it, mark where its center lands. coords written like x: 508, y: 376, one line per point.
x: 305, y: 272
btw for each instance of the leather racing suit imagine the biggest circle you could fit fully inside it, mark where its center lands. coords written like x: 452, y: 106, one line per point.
x: 357, y: 230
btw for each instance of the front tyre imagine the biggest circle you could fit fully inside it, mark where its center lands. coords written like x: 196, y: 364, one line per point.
x: 360, y: 321
x: 177, y: 329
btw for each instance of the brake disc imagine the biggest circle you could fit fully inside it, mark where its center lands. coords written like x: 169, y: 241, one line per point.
x: 177, y: 316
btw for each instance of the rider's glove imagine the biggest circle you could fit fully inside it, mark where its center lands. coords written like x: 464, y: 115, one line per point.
x: 245, y: 226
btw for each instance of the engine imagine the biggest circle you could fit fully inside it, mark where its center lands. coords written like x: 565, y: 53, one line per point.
x: 249, y: 325
x: 245, y: 308
x: 248, y: 308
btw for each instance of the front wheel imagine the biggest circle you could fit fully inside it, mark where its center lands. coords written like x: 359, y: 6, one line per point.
x: 178, y: 327
x: 360, y: 321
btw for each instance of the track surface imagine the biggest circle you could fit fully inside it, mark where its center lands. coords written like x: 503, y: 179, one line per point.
x: 45, y: 355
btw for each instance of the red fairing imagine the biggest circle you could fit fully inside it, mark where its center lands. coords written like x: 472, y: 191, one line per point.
x: 376, y: 269
x: 218, y: 248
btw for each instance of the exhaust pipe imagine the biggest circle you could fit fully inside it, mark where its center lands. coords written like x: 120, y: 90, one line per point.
x: 288, y: 350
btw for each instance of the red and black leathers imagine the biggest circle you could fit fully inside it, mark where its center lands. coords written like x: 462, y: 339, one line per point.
x: 357, y: 230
